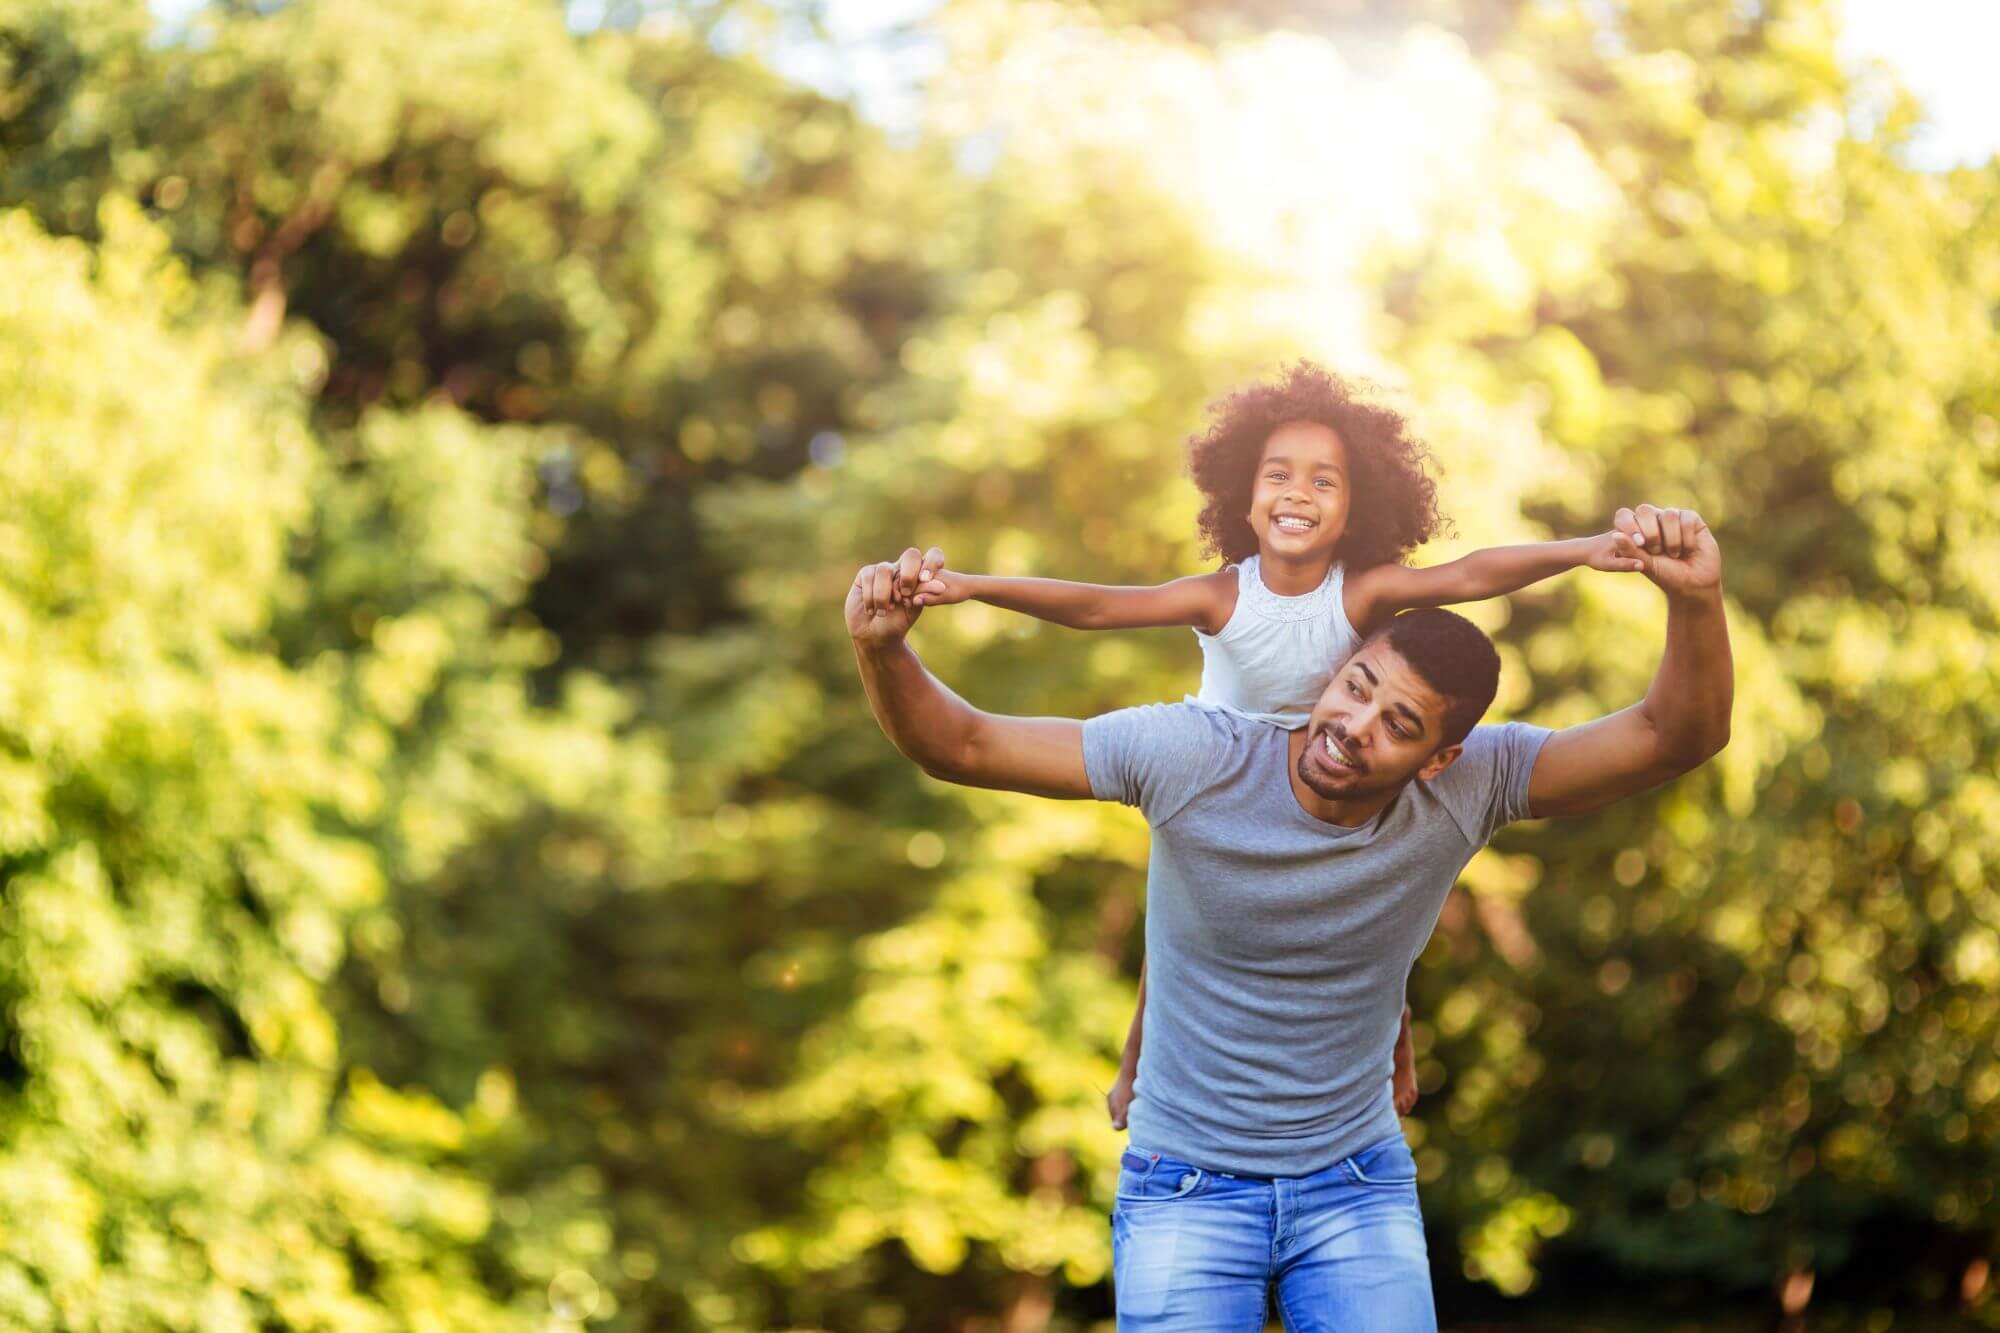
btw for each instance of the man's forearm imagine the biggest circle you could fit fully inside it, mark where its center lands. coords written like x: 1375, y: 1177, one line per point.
x: 919, y: 714
x: 1695, y: 688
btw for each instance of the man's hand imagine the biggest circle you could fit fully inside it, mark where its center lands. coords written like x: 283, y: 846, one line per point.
x: 1615, y: 552
x: 1684, y: 717
x: 1679, y: 551
x: 945, y: 736
x: 881, y: 603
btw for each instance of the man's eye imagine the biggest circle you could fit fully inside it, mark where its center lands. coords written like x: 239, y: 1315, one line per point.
x: 1354, y: 689
x: 1395, y: 731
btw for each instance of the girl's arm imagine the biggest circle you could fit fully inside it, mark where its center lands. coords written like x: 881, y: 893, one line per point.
x: 1204, y: 601
x: 1374, y: 595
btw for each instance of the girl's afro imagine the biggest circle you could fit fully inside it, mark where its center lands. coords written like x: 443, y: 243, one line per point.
x: 1392, y: 502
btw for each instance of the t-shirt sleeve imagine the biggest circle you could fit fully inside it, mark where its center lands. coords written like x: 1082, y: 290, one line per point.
x: 1156, y: 756
x: 1487, y: 786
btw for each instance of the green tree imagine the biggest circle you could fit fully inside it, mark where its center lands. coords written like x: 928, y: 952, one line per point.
x: 183, y: 1144
x: 451, y: 875
x: 1793, y: 331
x: 674, y: 261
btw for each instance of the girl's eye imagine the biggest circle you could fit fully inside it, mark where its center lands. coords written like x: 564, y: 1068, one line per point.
x: 1274, y: 476
x: 1324, y: 483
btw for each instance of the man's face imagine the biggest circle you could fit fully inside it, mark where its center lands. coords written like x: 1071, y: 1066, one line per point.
x: 1377, y: 725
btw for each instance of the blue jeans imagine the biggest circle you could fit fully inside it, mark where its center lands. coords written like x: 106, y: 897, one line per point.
x: 1195, y: 1249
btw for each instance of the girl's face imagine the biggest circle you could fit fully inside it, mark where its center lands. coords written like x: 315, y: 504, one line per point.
x: 1298, y: 504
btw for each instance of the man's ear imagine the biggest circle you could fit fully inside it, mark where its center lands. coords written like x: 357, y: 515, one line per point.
x: 1439, y: 762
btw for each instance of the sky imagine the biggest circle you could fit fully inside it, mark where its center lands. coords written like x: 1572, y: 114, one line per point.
x: 1941, y: 50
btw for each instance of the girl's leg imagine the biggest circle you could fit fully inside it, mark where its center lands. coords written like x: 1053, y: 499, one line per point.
x: 1403, y: 1082
x: 1119, y: 1100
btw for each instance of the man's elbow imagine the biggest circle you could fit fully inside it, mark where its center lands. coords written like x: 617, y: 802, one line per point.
x: 1715, y: 732
x: 1715, y: 743
x: 949, y: 761
x: 943, y: 769
x: 1697, y: 748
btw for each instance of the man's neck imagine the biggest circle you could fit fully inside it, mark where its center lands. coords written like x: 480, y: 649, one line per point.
x: 1348, y: 813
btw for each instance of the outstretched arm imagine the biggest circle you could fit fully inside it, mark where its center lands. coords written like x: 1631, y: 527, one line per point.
x: 1684, y: 718
x: 1201, y: 600
x: 945, y: 736
x: 1374, y: 595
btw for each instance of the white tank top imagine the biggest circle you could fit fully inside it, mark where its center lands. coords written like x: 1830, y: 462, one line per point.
x: 1276, y: 654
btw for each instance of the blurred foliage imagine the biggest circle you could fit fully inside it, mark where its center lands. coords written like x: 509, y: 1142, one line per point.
x: 187, y: 1144
x: 450, y: 879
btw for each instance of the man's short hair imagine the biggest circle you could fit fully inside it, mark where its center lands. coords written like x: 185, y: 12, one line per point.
x: 1454, y: 657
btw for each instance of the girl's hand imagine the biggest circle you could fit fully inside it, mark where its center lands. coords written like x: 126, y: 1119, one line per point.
x: 938, y: 586
x: 1615, y: 553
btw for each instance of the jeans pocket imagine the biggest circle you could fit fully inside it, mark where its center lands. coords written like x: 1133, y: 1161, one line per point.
x: 1145, y: 1244
x: 1386, y: 1163
x: 1156, y: 1179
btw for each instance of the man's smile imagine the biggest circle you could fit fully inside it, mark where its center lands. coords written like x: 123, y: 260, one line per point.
x: 1335, y: 753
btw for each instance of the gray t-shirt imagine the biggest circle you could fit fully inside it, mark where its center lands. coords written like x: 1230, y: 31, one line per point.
x: 1277, y: 944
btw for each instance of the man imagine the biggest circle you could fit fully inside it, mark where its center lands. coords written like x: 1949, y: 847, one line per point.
x: 1294, y: 878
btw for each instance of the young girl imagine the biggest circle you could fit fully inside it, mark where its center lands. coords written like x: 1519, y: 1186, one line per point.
x: 1314, y: 497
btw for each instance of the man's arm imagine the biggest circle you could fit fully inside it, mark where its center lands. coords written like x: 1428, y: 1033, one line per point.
x: 1684, y: 718
x: 945, y: 736
x: 1372, y: 596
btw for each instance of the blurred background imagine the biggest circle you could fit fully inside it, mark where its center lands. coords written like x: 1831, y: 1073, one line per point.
x: 450, y: 880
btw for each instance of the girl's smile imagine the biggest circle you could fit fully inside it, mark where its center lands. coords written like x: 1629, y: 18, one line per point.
x: 1298, y: 503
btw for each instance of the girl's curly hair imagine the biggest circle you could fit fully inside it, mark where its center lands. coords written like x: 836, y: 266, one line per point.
x: 1392, y: 504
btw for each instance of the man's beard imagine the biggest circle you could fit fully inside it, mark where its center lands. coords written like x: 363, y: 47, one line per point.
x: 1349, y: 785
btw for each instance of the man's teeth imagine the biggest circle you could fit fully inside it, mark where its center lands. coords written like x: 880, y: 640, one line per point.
x: 1333, y: 751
